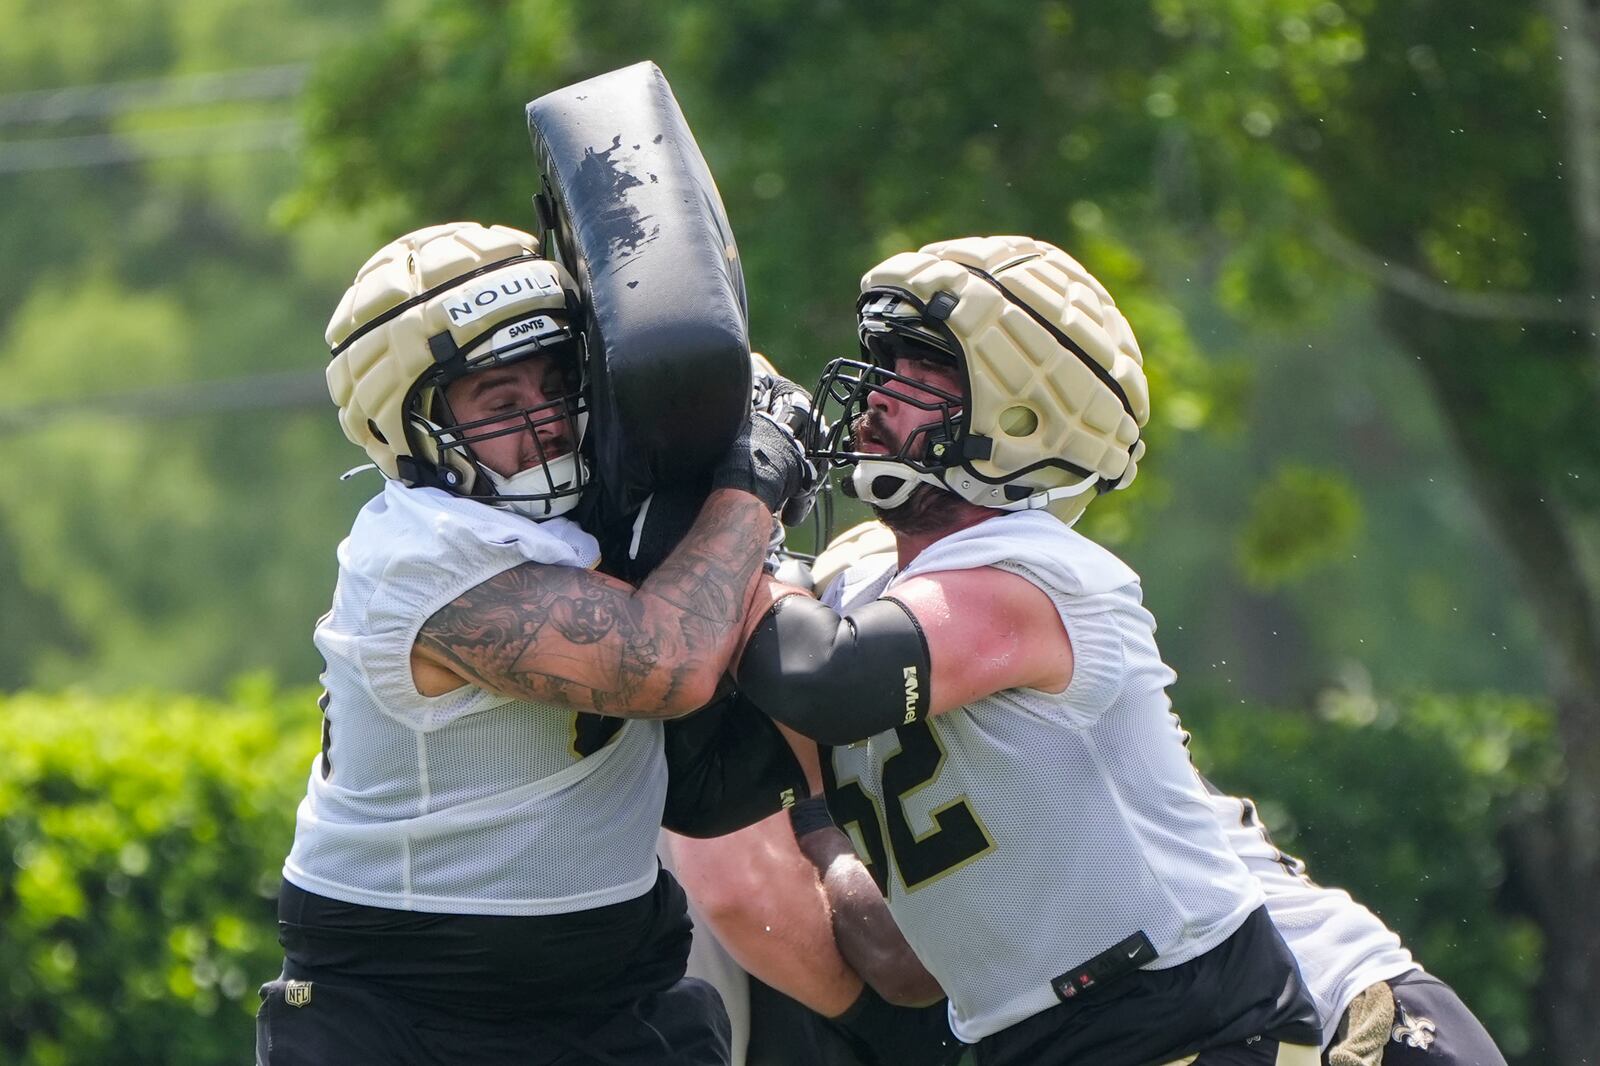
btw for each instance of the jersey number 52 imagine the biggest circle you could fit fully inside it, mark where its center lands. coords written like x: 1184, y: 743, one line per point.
x: 957, y: 835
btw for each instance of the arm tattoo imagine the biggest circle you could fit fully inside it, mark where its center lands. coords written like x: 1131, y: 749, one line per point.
x: 709, y: 576
x: 560, y: 635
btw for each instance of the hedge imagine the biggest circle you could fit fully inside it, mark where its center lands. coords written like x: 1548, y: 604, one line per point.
x: 141, y: 838
x: 140, y: 842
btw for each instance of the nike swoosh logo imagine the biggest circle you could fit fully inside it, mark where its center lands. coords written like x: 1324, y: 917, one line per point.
x: 1134, y: 954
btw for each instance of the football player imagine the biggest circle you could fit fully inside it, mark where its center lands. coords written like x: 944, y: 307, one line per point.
x: 1000, y: 739
x: 1374, y: 1002
x: 473, y: 877
x: 1376, y: 1005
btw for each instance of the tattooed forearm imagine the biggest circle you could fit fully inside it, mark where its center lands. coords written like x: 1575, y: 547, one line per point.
x: 569, y: 637
x: 711, y: 573
x: 487, y: 633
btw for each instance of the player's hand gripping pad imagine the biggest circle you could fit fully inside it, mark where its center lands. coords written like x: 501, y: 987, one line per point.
x: 637, y: 219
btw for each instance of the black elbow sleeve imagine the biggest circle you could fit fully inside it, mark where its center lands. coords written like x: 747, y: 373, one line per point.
x: 837, y: 680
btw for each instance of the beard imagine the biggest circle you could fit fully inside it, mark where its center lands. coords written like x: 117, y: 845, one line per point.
x: 928, y: 510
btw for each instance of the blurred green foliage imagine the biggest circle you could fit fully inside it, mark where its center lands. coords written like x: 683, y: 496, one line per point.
x: 140, y: 843
x: 1341, y: 474
x: 151, y: 540
x: 1403, y: 802
x: 176, y: 546
x: 143, y: 835
x: 1298, y: 518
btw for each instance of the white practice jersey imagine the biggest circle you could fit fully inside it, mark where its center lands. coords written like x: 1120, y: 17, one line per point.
x: 1340, y: 945
x: 1029, y: 832
x: 470, y: 802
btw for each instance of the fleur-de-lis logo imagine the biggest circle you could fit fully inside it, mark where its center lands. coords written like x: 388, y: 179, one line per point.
x: 1418, y: 1033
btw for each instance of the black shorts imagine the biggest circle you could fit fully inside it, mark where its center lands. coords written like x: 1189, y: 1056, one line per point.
x: 326, y: 1023
x: 1432, y: 1027
x: 872, y: 1032
x: 491, y: 966
x: 1258, y: 1051
x: 1233, y: 1003
x: 373, y: 985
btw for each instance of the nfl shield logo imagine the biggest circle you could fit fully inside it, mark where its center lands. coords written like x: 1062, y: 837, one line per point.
x: 297, y: 993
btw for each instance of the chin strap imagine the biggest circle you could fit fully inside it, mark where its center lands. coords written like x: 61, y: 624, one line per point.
x: 886, y: 485
x: 542, y: 481
x: 1040, y: 500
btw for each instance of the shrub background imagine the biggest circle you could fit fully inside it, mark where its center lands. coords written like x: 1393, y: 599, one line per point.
x: 142, y: 838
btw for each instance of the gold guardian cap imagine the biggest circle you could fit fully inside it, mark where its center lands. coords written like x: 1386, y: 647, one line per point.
x: 1054, y: 397
x: 437, y: 304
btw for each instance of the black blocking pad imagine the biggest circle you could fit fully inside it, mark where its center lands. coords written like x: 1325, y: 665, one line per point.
x: 636, y: 217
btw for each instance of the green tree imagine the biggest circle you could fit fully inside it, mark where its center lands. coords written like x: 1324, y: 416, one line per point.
x: 1337, y: 781
x: 1454, y: 160
x: 160, y: 526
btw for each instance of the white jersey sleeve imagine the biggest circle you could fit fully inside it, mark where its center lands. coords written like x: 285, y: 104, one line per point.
x: 1093, y: 590
x: 1099, y: 651
x: 415, y: 550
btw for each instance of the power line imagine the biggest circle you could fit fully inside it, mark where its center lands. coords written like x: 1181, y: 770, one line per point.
x: 283, y: 390
x: 60, y: 153
x: 42, y: 106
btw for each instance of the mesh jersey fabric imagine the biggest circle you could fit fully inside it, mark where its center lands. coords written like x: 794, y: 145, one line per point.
x: 470, y: 802
x: 1098, y: 825
x: 1340, y: 945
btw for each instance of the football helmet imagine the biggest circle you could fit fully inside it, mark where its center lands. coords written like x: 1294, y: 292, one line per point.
x: 1053, y: 392
x: 432, y: 307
